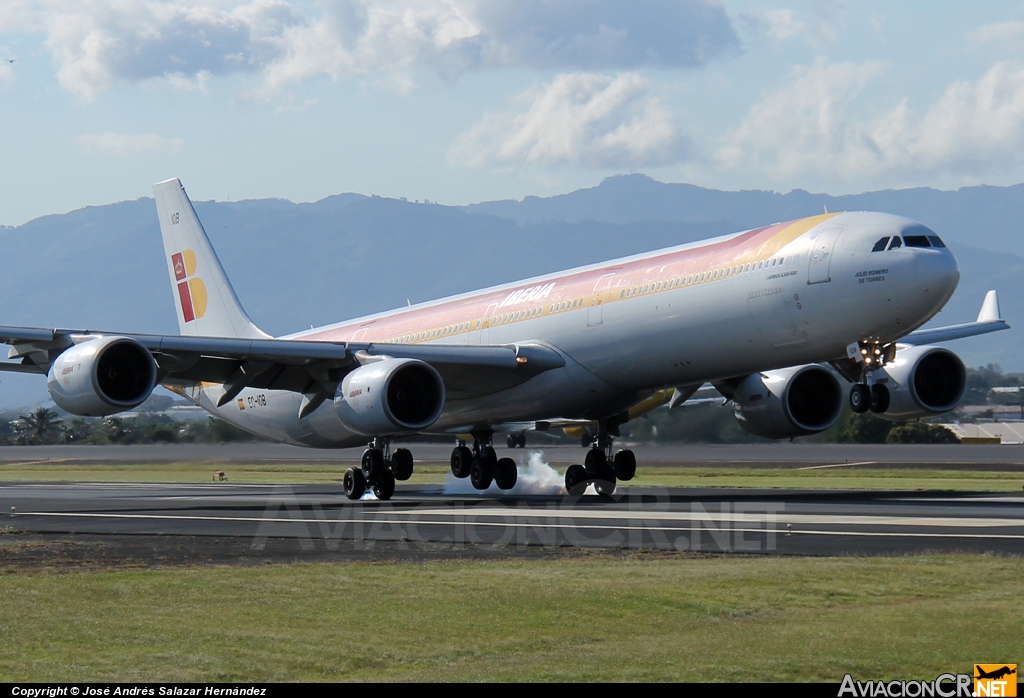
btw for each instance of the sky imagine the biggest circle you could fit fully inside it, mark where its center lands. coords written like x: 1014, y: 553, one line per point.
x: 459, y: 101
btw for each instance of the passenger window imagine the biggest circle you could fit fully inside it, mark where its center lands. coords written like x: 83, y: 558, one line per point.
x: 880, y: 245
x: 896, y: 243
x: 936, y: 242
x: 916, y: 240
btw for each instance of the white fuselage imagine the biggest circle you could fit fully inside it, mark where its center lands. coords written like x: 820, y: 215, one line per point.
x: 789, y: 294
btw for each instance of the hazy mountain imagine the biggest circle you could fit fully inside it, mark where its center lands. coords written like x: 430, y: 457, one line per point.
x: 296, y: 265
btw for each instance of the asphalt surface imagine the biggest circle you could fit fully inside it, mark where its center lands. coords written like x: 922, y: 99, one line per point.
x: 316, y: 517
x: 316, y: 520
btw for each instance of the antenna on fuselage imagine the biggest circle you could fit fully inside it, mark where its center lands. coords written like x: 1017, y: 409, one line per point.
x: 826, y: 209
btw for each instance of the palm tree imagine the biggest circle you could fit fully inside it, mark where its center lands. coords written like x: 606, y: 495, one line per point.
x: 40, y: 423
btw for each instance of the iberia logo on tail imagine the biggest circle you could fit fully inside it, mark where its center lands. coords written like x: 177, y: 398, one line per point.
x: 191, y: 291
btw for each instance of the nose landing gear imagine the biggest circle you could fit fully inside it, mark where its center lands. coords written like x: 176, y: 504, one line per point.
x: 868, y: 357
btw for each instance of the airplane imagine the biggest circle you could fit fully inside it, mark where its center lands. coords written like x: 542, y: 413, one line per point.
x: 778, y: 319
x: 994, y: 674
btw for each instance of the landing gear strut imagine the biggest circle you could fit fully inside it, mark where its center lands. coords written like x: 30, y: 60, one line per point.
x: 600, y: 467
x: 379, y: 470
x: 482, y: 465
x: 865, y: 359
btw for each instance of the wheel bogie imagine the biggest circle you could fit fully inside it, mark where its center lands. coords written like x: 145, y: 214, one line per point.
x: 576, y: 480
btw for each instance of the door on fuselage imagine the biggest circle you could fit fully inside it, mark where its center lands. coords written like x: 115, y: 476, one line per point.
x: 822, y: 246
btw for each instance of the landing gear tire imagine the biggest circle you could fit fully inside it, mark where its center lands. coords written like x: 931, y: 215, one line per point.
x: 879, y: 399
x: 488, y: 454
x: 355, y: 483
x: 373, y: 465
x: 604, y: 480
x: 860, y: 398
x: 462, y: 460
x: 384, y: 487
x: 505, y: 474
x: 595, y: 460
x: 625, y: 465
x: 480, y: 473
x: 402, y: 464
x: 576, y: 480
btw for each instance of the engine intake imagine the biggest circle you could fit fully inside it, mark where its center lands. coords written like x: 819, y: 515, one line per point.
x: 923, y: 382
x: 102, y: 376
x: 390, y: 396
x: 796, y: 401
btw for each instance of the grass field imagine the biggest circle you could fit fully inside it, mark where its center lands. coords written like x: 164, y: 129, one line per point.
x: 855, y: 477
x: 591, y: 617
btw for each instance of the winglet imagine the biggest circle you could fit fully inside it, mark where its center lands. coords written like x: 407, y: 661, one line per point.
x: 989, y: 320
x: 990, y: 308
x: 206, y: 303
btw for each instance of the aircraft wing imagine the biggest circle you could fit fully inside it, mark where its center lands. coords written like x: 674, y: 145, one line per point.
x: 989, y: 320
x: 293, y: 365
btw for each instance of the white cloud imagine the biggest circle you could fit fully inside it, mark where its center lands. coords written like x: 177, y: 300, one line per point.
x: 97, y: 44
x: 774, y: 25
x: 577, y: 119
x: 811, y: 128
x: 121, y: 146
x: 1009, y: 32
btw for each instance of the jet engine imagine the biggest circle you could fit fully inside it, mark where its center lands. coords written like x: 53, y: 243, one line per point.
x: 922, y: 382
x: 102, y: 376
x: 390, y: 396
x: 795, y: 401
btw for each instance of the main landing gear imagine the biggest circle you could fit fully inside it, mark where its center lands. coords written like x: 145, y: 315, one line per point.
x: 600, y: 468
x: 482, y: 465
x: 379, y: 470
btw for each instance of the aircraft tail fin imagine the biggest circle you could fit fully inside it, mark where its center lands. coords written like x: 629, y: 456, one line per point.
x: 206, y: 304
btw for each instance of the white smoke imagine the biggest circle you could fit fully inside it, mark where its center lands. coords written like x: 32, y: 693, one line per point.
x: 535, y: 476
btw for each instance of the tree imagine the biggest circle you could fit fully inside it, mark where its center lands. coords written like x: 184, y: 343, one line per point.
x: 921, y: 433
x: 864, y: 428
x: 40, y: 424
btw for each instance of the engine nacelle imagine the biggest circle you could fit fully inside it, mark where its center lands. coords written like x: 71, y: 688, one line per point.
x: 389, y: 397
x: 102, y: 376
x: 922, y: 382
x: 796, y: 401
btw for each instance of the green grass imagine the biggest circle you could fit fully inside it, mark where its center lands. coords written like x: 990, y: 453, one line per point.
x: 855, y: 477
x: 650, y: 617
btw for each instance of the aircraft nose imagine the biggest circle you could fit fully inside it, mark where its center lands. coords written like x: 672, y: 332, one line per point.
x: 937, y: 272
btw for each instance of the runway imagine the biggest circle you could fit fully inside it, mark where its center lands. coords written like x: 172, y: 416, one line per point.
x: 312, y: 518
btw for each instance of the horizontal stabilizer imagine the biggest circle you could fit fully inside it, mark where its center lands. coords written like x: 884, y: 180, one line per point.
x: 989, y: 320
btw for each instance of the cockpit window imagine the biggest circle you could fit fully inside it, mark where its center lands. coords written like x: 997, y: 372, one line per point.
x: 880, y: 245
x: 936, y: 242
x: 916, y: 241
x: 896, y: 243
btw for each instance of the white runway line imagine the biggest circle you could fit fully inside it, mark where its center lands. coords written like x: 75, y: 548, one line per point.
x: 838, y: 465
x: 694, y: 524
